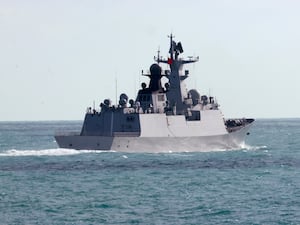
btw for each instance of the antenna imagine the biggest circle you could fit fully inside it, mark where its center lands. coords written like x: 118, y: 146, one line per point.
x: 210, y: 92
x: 134, y: 86
x: 158, y: 54
x: 171, y: 51
x: 171, y: 36
x: 116, y: 80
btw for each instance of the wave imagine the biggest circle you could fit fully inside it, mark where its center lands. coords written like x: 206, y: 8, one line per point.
x: 47, y: 152
x: 253, y: 148
x: 63, y: 152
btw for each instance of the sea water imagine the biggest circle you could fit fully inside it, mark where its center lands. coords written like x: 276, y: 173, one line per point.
x: 42, y: 184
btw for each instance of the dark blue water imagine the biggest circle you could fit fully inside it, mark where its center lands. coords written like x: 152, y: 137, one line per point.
x: 41, y: 184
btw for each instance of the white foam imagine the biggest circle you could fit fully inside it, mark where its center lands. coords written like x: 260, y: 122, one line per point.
x: 47, y: 152
x: 249, y: 147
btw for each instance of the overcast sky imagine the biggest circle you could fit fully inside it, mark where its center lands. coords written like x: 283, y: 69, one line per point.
x: 58, y: 56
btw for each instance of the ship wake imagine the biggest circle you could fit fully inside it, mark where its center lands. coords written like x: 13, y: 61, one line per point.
x: 47, y: 152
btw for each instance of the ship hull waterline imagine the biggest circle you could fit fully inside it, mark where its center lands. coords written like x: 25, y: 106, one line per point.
x: 229, y: 141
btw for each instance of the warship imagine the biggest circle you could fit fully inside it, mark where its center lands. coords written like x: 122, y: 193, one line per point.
x: 162, y: 118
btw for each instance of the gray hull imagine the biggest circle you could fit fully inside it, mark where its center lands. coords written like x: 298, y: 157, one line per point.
x: 227, y: 141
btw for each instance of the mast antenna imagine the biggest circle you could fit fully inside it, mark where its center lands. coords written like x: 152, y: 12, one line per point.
x: 171, y: 51
x: 158, y: 53
x: 116, y: 80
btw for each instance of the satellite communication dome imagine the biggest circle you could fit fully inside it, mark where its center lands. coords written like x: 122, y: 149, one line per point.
x: 195, y: 95
x: 155, y: 70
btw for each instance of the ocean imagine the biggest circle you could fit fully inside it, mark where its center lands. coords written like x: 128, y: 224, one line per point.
x: 42, y: 184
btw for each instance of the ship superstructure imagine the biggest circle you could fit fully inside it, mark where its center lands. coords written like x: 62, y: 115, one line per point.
x: 161, y: 118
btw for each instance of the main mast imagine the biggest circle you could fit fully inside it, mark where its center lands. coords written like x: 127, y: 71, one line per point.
x: 177, y: 91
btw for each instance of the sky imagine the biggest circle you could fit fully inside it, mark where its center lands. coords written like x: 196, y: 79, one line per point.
x: 58, y: 57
